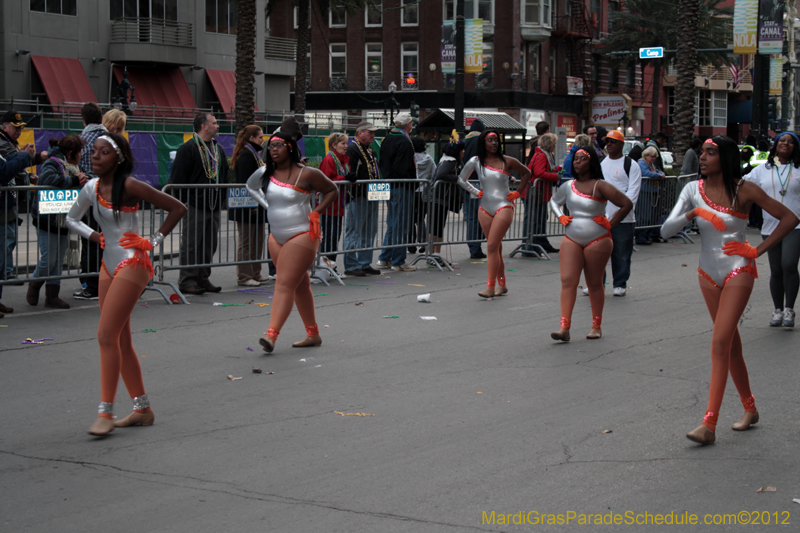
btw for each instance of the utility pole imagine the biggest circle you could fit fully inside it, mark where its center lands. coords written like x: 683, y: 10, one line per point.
x: 760, y: 95
x: 459, y: 103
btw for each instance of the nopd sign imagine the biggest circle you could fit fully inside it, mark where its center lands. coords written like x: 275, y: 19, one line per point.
x: 608, y: 110
x: 57, y: 201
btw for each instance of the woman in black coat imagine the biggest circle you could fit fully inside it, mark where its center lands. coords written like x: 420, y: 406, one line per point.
x: 250, y: 221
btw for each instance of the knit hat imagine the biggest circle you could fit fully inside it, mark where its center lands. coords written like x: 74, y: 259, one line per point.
x: 477, y: 125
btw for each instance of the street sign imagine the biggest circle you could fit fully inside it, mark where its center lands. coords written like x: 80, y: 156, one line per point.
x: 378, y: 191
x: 651, y: 53
x: 57, y: 201
x: 239, y: 198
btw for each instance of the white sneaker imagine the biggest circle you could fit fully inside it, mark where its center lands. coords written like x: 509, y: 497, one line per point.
x: 788, y: 317
x: 384, y: 264
x: 405, y: 267
x: 777, y: 318
x: 619, y: 291
x: 249, y: 283
x: 586, y: 291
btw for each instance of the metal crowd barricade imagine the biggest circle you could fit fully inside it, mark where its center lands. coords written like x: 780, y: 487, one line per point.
x: 538, y: 221
x: 657, y: 197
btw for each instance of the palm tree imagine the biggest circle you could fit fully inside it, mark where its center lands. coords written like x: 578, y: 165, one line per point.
x: 687, y: 62
x: 649, y: 23
x: 245, y: 63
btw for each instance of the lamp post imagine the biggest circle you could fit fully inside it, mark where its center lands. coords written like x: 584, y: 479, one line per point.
x: 392, y: 103
x: 122, y: 94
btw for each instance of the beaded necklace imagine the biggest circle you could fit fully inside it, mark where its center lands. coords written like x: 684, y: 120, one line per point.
x: 210, y: 162
x: 256, y: 155
x: 784, y: 184
x: 340, y: 170
x: 372, y: 168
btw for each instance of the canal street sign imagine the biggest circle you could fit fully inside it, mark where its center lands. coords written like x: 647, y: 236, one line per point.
x: 651, y: 53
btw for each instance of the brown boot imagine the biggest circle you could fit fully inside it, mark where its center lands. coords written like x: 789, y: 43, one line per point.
x: 4, y: 309
x: 51, y: 298
x: 33, y: 292
x: 314, y: 340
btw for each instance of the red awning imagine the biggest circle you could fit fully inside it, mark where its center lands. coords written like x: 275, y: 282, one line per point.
x: 64, y: 81
x: 224, y: 83
x: 164, y: 88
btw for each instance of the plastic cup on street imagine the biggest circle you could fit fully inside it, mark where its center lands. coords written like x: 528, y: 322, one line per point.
x: 425, y: 298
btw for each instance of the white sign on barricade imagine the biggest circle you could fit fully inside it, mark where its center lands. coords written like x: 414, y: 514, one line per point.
x: 378, y: 191
x: 238, y: 198
x: 57, y: 201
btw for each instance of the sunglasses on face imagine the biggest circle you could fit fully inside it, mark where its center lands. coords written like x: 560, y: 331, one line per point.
x: 277, y: 146
x: 611, y: 141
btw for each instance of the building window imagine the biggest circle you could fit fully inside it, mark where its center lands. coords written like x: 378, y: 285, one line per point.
x: 338, y: 60
x: 546, y: 13
x: 552, y: 62
x: 152, y: 9
x: 296, y: 14
x: 374, y: 15
x: 485, y: 80
x: 596, y: 59
x: 537, y: 12
x: 702, y: 108
x: 630, y: 75
x: 337, y: 16
x: 473, y: 9
x: 720, y: 108
x: 374, y: 66
x: 409, y: 58
x: 670, y: 106
x: 409, y: 13
x: 613, y: 78
x: 56, y: 7
x: 221, y: 16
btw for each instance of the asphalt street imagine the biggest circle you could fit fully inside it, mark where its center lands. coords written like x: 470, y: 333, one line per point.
x: 474, y: 413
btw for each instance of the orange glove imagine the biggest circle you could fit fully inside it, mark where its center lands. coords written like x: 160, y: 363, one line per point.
x: 513, y: 195
x: 711, y: 217
x: 480, y: 194
x: 133, y: 240
x: 603, y: 221
x: 102, y: 241
x: 564, y: 219
x: 314, y: 231
x: 740, y: 248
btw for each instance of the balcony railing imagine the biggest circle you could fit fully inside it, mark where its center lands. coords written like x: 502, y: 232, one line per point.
x: 338, y: 83
x: 410, y: 83
x: 280, y: 48
x: 374, y: 82
x: 156, y: 31
x: 484, y: 81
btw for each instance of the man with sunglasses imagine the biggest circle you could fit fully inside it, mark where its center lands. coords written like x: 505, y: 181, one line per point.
x: 620, y: 171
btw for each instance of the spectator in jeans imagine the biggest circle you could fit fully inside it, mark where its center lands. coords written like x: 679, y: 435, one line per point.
x: 647, y: 210
x: 543, y: 168
x: 91, y: 253
x: 470, y: 206
x: 362, y: 215
x: 200, y: 160
x: 398, y: 163
x: 335, y: 165
x: 624, y: 174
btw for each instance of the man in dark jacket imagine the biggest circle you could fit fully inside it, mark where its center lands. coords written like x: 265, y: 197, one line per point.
x: 361, y: 221
x: 398, y: 163
x: 9, y: 168
x: 199, y: 161
x: 470, y: 207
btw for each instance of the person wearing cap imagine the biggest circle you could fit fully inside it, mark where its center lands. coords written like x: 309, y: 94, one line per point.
x: 361, y: 215
x: 471, y: 205
x: 398, y: 163
x: 779, y: 177
x: 12, y: 126
x: 9, y: 168
x: 624, y: 174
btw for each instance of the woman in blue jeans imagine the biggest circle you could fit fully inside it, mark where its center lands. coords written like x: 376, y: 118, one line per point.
x: 60, y: 171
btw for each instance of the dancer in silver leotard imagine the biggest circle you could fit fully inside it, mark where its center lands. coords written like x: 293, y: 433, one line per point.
x: 496, y: 210
x: 723, y: 256
x: 582, y: 230
x: 494, y: 182
x: 715, y: 266
x: 294, y: 232
x: 125, y: 271
x: 288, y: 206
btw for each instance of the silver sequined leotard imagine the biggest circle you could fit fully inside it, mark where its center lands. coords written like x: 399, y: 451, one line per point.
x: 288, y: 207
x: 715, y: 266
x: 583, y: 231
x: 494, y: 183
x: 114, y: 256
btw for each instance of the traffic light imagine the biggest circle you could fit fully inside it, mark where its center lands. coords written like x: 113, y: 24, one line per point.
x: 772, y: 109
x: 414, y: 110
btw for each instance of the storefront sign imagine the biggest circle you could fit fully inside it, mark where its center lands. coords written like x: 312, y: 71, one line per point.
x: 530, y: 118
x: 574, y: 86
x: 570, y: 123
x: 57, y: 202
x: 608, y: 110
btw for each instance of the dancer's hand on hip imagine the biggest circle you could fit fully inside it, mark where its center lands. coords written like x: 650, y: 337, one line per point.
x: 314, y: 231
x: 565, y: 219
x: 102, y: 241
x: 513, y: 195
x: 603, y: 221
x: 480, y: 194
x: 740, y: 248
x: 133, y: 240
x: 718, y: 223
